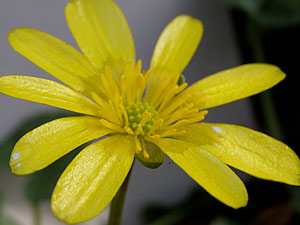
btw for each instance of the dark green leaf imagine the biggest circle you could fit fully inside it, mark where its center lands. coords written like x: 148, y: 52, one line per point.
x: 270, y: 13
x: 251, y: 6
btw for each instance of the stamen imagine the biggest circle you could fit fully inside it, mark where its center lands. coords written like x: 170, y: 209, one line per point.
x: 137, y: 144
x: 129, y: 130
x: 149, y: 137
x: 176, y: 115
x: 115, y: 112
x: 123, y: 84
x: 111, y: 126
x: 141, y: 118
x: 138, y: 66
x: 174, y: 104
x: 168, y: 96
x: 145, y: 152
x: 146, y: 116
x: 105, y: 108
x: 108, y: 83
x: 157, y: 124
x: 168, y: 133
x: 163, y: 86
x: 140, y: 83
x: 122, y: 110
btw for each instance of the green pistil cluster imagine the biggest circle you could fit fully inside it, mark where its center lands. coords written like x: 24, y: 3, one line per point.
x: 135, y: 114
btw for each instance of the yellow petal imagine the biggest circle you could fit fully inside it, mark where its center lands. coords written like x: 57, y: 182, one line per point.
x: 247, y: 150
x: 92, y: 179
x: 233, y: 84
x: 47, y: 92
x: 47, y: 143
x: 56, y: 57
x: 207, y: 170
x: 177, y: 44
x: 101, y: 31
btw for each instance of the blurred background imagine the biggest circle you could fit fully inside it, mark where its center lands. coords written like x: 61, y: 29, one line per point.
x: 235, y: 32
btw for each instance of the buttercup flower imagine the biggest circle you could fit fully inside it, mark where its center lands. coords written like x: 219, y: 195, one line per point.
x: 140, y: 114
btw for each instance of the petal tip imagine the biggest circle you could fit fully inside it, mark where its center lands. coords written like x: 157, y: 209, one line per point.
x: 11, y: 34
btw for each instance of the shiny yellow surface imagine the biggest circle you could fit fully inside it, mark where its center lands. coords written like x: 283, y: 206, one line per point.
x: 247, y: 150
x: 56, y: 57
x: 177, y: 44
x: 207, y: 170
x: 47, y: 143
x: 101, y: 32
x: 92, y: 179
x: 233, y: 84
x: 47, y: 92
x: 106, y: 81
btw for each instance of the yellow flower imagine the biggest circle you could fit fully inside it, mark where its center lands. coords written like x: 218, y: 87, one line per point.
x: 144, y: 114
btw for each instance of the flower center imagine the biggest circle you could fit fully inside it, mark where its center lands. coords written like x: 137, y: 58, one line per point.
x: 141, y: 116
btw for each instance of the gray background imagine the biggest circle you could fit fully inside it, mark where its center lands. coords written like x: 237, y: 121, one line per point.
x: 147, y: 18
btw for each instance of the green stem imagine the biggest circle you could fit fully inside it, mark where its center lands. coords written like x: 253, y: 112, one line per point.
x: 36, y: 214
x: 118, y: 203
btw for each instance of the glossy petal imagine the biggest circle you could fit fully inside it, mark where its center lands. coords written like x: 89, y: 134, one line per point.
x: 92, y: 179
x: 247, y: 150
x: 47, y: 143
x: 47, y: 92
x: 101, y: 31
x: 177, y: 44
x: 233, y: 84
x: 56, y: 57
x: 207, y: 170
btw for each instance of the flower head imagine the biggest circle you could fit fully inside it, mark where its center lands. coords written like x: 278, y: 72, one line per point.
x: 141, y: 114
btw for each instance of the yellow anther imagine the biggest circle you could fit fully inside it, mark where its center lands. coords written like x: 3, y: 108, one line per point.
x: 111, y: 126
x: 129, y: 130
x: 157, y: 124
x: 144, y: 147
x: 139, y: 129
x: 137, y: 144
x: 146, y: 116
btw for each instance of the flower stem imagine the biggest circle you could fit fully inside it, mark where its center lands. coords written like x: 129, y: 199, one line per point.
x: 118, y: 203
x: 36, y: 214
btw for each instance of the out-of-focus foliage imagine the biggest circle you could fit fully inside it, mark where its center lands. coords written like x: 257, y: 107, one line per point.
x: 39, y: 185
x: 295, y: 194
x: 224, y: 221
x: 268, y: 31
x: 270, y: 13
x: 5, y: 220
x: 6, y: 146
x: 269, y: 204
